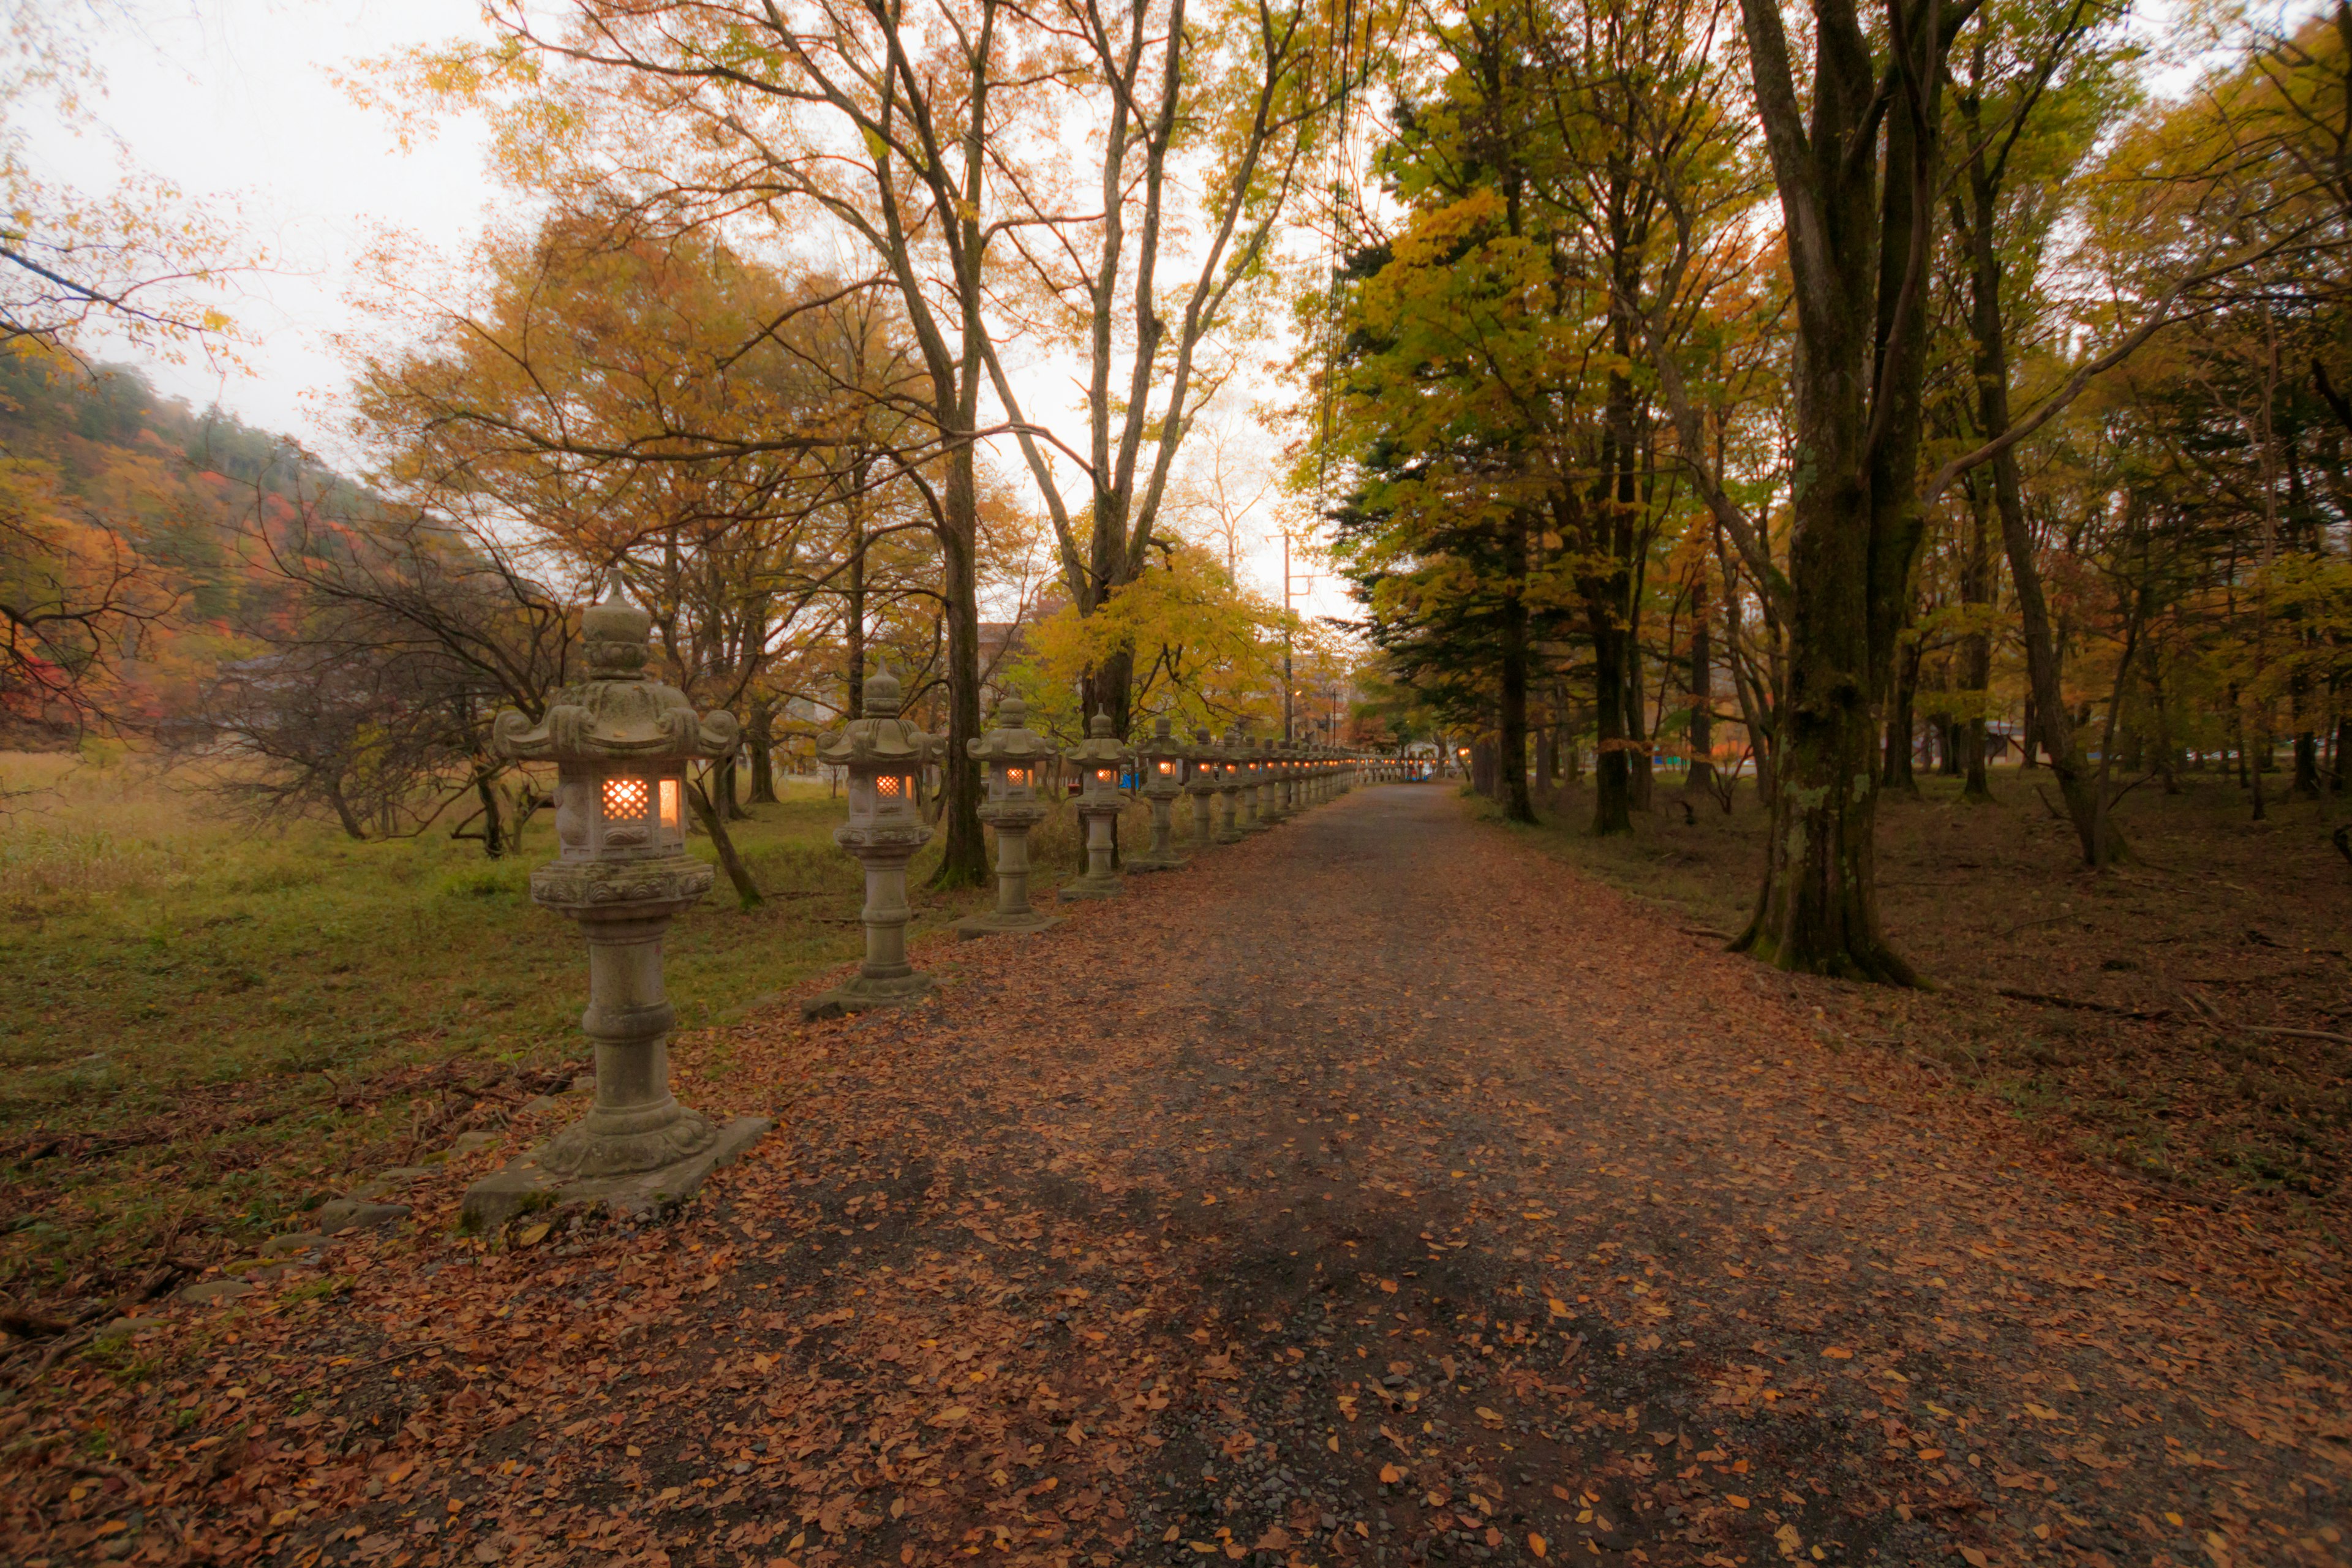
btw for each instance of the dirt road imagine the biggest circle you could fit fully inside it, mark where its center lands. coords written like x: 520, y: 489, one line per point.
x: 1372, y: 1191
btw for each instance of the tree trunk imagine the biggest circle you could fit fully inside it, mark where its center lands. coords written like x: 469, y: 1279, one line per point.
x: 344, y: 814
x: 1513, y: 736
x: 1641, y: 775
x: 2056, y: 731
x: 2047, y: 719
x: 1543, y: 762
x: 854, y: 626
x: 728, y: 778
x: 1855, y: 524
x: 1700, y: 773
x: 964, y: 858
x: 1895, y: 771
x: 1613, y: 796
x: 761, y: 739
x: 739, y: 875
x: 1976, y: 651
x: 1108, y: 688
x: 494, y: 837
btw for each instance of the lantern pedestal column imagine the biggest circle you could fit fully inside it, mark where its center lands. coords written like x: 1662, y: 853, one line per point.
x: 1099, y: 758
x: 1249, y: 819
x: 1228, y: 827
x: 637, y: 1152
x: 1014, y: 911
x: 885, y: 979
x: 1204, y: 823
x: 1162, y: 856
x: 1160, y: 759
x: 1099, y: 881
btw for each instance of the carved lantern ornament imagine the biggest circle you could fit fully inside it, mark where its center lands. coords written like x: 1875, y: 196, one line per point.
x: 1010, y: 753
x: 885, y: 756
x: 1200, y: 783
x: 621, y: 742
x: 1099, y: 758
x: 1160, y: 757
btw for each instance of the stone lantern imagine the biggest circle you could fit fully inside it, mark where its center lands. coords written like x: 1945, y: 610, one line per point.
x: 1200, y: 783
x: 1161, y: 759
x: 620, y: 741
x: 1098, y: 759
x: 1226, y: 762
x: 1271, y: 808
x: 1253, y: 802
x: 883, y: 755
x: 1011, y: 752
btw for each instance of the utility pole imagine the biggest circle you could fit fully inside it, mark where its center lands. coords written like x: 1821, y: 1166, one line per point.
x: 1288, y: 687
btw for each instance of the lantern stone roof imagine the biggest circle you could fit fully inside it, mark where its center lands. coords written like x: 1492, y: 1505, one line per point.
x: 879, y: 741
x: 1161, y: 743
x: 1009, y: 739
x: 1100, y: 748
x: 619, y: 713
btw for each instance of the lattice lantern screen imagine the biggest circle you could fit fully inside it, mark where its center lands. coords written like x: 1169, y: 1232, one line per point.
x: 669, y: 804
x: 625, y: 800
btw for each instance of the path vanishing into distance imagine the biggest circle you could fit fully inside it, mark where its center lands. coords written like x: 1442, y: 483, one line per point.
x: 1377, y: 1191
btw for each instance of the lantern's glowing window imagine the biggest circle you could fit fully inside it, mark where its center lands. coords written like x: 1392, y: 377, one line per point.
x: 1102, y: 775
x: 669, y: 804
x: 1016, y: 778
x: 1168, y: 767
x: 890, y: 786
x: 625, y: 800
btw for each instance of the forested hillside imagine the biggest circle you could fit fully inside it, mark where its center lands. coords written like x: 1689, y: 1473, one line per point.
x: 131, y: 576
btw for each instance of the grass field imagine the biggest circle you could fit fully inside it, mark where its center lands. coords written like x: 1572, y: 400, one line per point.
x: 210, y: 1023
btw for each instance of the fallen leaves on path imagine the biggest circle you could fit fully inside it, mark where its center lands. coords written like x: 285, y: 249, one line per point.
x: 1535, y: 1232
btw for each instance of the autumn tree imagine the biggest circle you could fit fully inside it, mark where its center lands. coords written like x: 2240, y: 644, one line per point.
x: 736, y: 447
x: 1487, y: 392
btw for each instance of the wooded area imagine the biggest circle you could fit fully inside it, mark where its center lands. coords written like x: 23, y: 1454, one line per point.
x: 1850, y: 505
x: 1980, y: 402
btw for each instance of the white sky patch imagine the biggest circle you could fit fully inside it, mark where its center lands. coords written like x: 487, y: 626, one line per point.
x: 234, y: 102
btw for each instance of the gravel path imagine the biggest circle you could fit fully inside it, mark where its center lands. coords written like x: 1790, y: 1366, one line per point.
x: 1373, y: 1192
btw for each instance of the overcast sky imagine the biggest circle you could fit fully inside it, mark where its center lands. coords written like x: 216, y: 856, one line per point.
x: 234, y: 102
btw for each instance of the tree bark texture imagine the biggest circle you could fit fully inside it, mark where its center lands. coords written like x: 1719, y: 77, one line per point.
x: 1857, y: 251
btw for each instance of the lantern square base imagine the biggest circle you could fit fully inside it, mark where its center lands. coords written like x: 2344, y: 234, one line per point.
x: 1080, y: 887
x: 1171, y: 862
x: 524, y: 1188
x: 991, y: 923
x: 863, y: 995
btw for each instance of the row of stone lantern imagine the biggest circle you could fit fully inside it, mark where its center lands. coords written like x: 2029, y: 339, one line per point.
x: 1236, y: 788
x: 1254, y: 784
x: 622, y: 741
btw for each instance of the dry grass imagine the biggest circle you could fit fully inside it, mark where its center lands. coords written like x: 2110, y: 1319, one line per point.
x: 203, y: 1022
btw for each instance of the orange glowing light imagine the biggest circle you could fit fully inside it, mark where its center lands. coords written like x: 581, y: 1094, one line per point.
x: 625, y: 799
